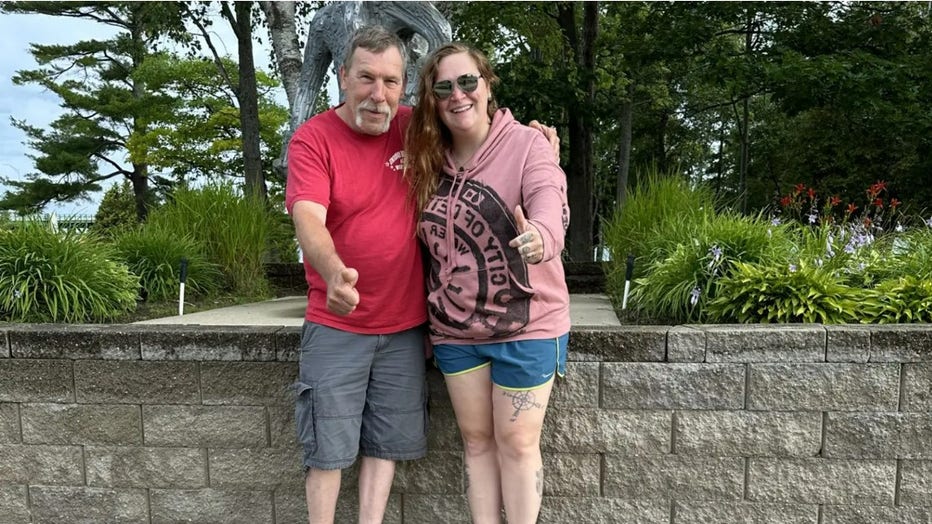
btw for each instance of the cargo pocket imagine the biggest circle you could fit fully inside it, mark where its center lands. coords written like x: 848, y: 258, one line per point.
x: 305, y: 418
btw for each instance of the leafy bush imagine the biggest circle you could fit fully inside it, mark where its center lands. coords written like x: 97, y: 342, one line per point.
x: 154, y: 255
x: 232, y: 229
x: 658, y: 215
x: 60, y: 277
x: 678, y: 286
x: 283, y: 245
x: 906, y: 299
x: 117, y: 211
x: 773, y: 293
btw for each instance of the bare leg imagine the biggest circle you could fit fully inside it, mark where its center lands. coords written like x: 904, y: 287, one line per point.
x: 375, y: 483
x: 471, y: 394
x: 321, y: 487
x: 519, y: 416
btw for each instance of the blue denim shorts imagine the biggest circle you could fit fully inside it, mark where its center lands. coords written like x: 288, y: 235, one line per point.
x: 518, y: 365
x: 360, y: 394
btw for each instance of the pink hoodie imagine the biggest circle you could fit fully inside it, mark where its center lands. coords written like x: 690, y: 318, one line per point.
x: 480, y: 289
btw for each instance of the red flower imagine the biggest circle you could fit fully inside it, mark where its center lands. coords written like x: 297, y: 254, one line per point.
x: 786, y: 201
x: 799, y: 188
x: 811, y: 194
x: 878, y: 202
x: 867, y: 222
x: 852, y: 208
x: 894, y: 203
x: 876, y: 188
x: 834, y: 201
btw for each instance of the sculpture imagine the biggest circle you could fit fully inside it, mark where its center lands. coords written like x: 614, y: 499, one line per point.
x: 419, y: 25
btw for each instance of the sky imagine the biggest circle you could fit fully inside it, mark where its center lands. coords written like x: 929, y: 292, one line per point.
x: 39, y: 107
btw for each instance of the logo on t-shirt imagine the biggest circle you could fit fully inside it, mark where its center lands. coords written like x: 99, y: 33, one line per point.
x: 396, y: 162
x: 488, y: 293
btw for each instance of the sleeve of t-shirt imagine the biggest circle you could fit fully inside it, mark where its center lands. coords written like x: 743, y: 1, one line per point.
x: 544, y: 194
x: 308, y: 170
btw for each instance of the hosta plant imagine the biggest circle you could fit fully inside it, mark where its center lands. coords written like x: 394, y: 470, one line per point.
x: 772, y: 292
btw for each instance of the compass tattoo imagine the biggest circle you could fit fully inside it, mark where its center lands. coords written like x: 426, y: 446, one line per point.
x: 522, y: 401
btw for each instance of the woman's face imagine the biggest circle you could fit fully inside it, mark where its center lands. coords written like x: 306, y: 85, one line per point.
x: 462, y: 112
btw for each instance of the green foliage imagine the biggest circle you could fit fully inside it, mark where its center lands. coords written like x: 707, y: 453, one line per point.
x: 677, y: 286
x: 283, y: 245
x: 132, y: 111
x: 658, y: 215
x: 903, y: 300
x: 154, y: 254
x: 117, y: 211
x: 60, y: 277
x: 775, y: 292
x: 232, y: 229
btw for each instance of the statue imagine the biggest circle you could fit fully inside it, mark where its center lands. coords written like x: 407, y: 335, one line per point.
x: 419, y: 25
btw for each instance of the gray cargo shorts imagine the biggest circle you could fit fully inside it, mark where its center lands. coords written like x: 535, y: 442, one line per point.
x: 360, y: 394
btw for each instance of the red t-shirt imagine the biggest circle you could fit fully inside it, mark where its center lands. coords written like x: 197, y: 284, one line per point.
x: 358, y: 178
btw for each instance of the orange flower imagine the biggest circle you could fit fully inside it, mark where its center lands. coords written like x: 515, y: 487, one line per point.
x: 834, y: 201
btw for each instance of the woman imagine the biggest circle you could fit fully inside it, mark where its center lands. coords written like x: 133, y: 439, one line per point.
x: 493, y: 215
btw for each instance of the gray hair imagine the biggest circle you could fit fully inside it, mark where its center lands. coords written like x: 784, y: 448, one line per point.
x: 375, y: 39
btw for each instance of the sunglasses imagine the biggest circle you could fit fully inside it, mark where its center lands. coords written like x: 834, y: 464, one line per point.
x: 444, y: 88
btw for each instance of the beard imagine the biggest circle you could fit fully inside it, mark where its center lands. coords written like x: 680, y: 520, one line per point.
x: 368, y: 105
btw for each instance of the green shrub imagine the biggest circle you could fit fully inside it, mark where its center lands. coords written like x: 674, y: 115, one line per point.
x: 283, y: 246
x: 154, y: 255
x: 658, y: 215
x: 904, y: 300
x: 232, y: 229
x: 678, y: 286
x: 117, y: 211
x: 774, y: 292
x: 60, y: 277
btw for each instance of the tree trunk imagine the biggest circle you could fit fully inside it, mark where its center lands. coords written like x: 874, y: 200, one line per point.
x: 624, y: 147
x: 140, y: 181
x: 283, y: 34
x: 248, y: 97
x: 580, y: 175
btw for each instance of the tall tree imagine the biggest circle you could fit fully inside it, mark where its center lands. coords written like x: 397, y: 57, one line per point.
x: 241, y: 22
x: 579, y: 40
x: 105, y: 106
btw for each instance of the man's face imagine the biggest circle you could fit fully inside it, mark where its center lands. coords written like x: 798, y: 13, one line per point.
x: 373, y: 85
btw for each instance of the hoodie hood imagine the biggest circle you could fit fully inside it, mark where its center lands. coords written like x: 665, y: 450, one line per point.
x: 501, y: 120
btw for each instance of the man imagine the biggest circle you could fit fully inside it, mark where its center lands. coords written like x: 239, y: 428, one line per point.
x: 361, y: 386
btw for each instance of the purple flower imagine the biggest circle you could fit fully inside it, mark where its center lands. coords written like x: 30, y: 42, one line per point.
x: 775, y: 221
x: 929, y: 222
x: 812, y: 218
x: 793, y: 268
x: 694, y: 296
x: 716, y: 253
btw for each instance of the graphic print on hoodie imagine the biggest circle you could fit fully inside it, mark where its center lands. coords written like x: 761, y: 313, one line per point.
x: 484, y: 292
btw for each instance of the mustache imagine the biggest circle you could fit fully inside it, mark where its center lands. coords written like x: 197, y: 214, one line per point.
x: 369, y: 105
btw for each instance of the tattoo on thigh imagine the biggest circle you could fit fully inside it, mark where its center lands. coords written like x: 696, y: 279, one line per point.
x: 466, y: 475
x: 540, y: 483
x: 522, y: 401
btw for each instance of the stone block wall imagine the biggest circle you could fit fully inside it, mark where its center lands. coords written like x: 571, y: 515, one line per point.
x: 683, y: 424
